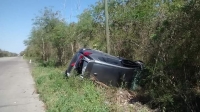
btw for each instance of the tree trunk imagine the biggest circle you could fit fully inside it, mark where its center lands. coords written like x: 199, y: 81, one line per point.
x: 72, y: 48
x: 43, y: 50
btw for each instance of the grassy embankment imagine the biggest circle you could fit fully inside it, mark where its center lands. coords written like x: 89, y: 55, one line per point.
x: 77, y: 95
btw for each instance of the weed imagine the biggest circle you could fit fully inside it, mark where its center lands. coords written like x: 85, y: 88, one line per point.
x: 67, y: 95
x: 75, y: 94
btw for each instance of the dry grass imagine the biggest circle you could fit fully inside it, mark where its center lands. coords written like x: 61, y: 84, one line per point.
x: 120, y: 100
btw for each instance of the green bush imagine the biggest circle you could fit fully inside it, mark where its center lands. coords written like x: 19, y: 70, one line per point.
x: 67, y: 95
x: 174, y: 62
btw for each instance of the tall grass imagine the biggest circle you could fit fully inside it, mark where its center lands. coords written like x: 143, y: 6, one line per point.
x: 67, y: 95
x: 75, y: 94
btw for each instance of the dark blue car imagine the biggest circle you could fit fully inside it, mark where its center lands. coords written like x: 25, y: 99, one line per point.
x: 105, y: 68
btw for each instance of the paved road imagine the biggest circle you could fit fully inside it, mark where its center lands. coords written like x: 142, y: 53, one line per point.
x: 17, y: 92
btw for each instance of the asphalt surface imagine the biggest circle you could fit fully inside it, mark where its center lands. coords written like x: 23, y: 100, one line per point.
x: 17, y: 91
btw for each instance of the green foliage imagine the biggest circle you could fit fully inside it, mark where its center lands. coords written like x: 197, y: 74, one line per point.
x: 49, y: 38
x: 174, y: 61
x: 162, y: 33
x: 7, y: 54
x: 71, y: 95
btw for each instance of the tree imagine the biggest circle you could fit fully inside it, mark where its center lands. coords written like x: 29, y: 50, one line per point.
x: 48, y: 36
x: 162, y: 33
x: 7, y: 53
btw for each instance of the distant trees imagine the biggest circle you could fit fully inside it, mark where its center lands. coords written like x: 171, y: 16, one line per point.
x: 7, y: 53
x: 162, y: 33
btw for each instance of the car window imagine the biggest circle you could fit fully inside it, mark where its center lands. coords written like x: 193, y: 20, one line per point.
x: 128, y: 63
x: 109, y: 60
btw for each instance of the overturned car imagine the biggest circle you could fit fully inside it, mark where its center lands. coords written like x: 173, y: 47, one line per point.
x: 108, y: 69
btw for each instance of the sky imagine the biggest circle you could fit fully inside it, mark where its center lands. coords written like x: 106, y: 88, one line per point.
x: 16, y: 18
